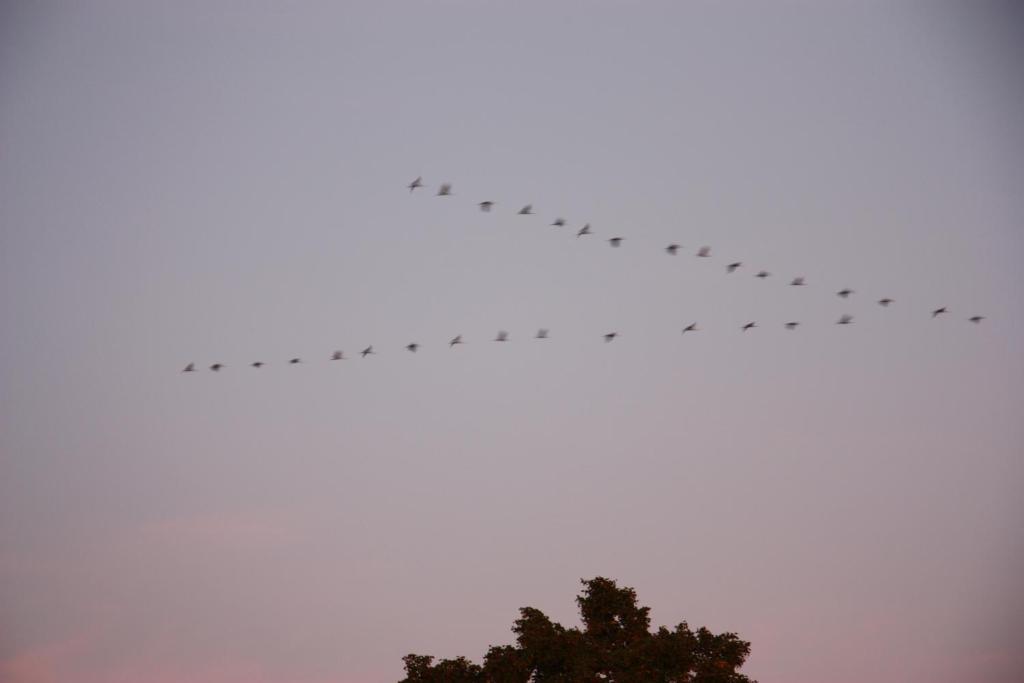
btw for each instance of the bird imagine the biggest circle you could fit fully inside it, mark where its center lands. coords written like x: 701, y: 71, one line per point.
x: 585, y: 230
x: 704, y: 252
x: 692, y: 327
x: 416, y: 183
x: 845, y: 320
x: 337, y: 355
x: 216, y: 367
x: 672, y: 249
x: 501, y: 336
x: 541, y: 334
x: 445, y: 190
x: 368, y: 351
x: 976, y: 319
x: 559, y: 222
x: 526, y: 210
x: 615, y: 241
x: 797, y: 282
x: 938, y: 311
x: 731, y: 268
x: 486, y: 206
x: 294, y: 361
x: 610, y: 336
x: 412, y: 347
x: 749, y: 326
x: 884, y: 302
x: 844, y: 293
x: 257, y: 364
x: 791, y: 325
x: 762, y: 274
x: 455, y: 340
x: 191, y: 367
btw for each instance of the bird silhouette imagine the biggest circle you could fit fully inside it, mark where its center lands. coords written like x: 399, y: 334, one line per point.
x: 257, y: 364
x: 294, y: 361
x: 526, y: 210
x: 610, y: 336
x: 762, y: 274
x: 938, y: 311
x: 791, y: 325
x: 845, y: 320
x: 704, y: 252
x: 585, y: 230
x: 797, y: 282
x: 615, y: 241
x: 368, y: 351
x: 542, y: 334
x: 884, y: 302
x: 559, y: 222
x: 845, y: 293
x: 672, y: 249
x: 445, y: 190
x: 416, y: 183
x: 486, y: 206
x: 731, y: 268
x: 501, y: 336
x: 749, y: 326
x: 337, y: 355
x: 976, y: 319
x: 412, y: 347
x: 455, y: 340
x: 692, y: 327
x: 191, y: 367
x: 216, y: 367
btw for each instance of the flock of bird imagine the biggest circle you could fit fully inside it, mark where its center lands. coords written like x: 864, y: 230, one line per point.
x: 486, y: 206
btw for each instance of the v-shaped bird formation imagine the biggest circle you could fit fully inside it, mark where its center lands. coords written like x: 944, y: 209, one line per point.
x: 673, y: 249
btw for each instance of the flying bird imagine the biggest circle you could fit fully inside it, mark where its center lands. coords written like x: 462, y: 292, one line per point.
x: 526, y: 210
x: 692, y: 327
x: 294, y: 361
x: 216, y: 367
x: 337, y: 355
x: 486, y: 206
x: 615, y: 241
x: 733, y: 266
x: 610, y: 336
x: 445, y: 190
x: 704, y: 252
x: 542, y: 334
x: 416, y: 183
x: 191, y: 367
x: 791, y: 325
x: 845, y: 320
x: 976, y: 319
x: 749, y: 326
x: 258, y: 364
x: 559, y: 222
x: 762, y: 274
x: 412, y: 347
x: 938, y: 311
x: 501, y: 336
x: 672, y: 249
x: 844, y: 293
x: 797, y: 282
x: 455, y: 340
x: 368, y: 351
x: 884, y: 302
x: 585, y: 230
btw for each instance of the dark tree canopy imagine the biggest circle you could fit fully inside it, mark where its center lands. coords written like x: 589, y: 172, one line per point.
x: 615, y: 645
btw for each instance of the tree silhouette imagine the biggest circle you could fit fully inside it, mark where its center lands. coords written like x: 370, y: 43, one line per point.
x: 615, y: 645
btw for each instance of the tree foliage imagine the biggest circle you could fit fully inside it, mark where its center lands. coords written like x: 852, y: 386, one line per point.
x: 614, y: 645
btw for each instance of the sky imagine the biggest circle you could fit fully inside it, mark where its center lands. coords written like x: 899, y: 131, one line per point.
x: 226, y: 182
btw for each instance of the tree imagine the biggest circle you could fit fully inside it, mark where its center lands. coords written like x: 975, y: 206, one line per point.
x: 615, y: 645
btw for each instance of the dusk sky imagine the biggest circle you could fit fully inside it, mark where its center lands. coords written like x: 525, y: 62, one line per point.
x: 225, y: 182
